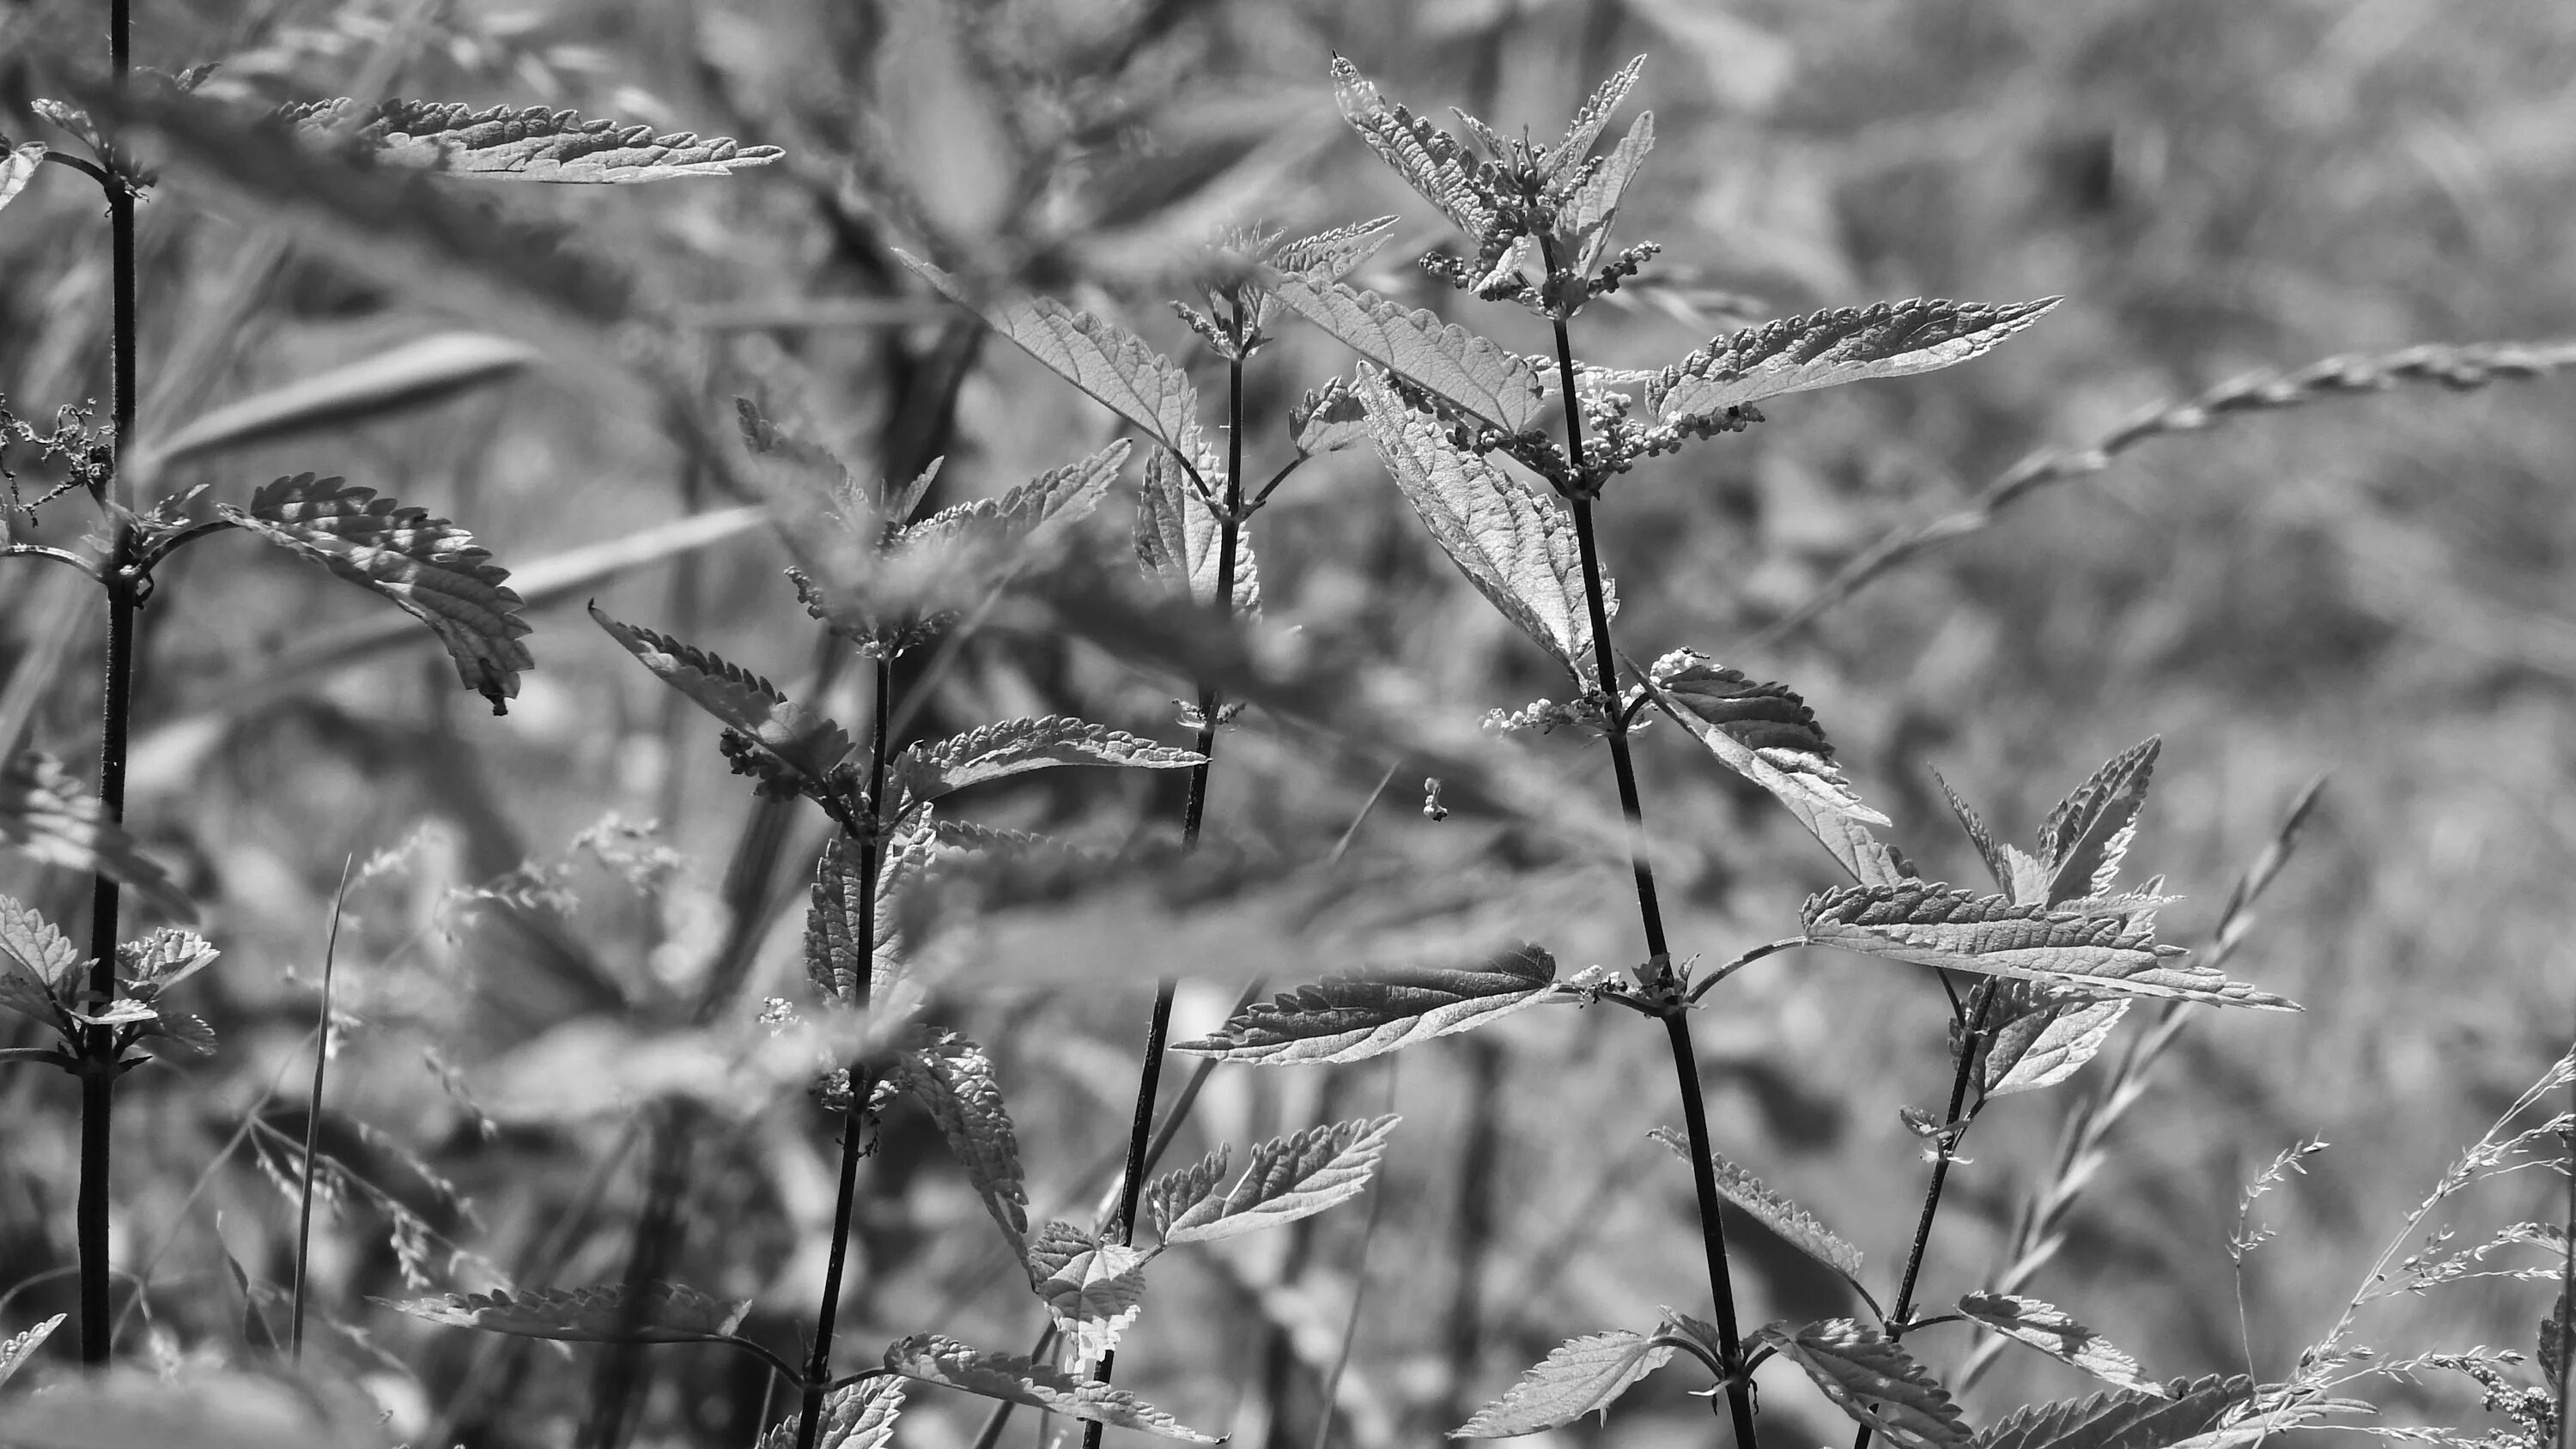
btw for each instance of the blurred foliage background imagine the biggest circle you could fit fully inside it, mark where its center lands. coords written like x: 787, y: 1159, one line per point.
x: 2373, y: 588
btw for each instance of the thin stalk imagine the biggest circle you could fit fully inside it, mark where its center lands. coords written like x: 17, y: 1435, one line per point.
x: 1975, y: 1017
x: 1158, y: 1026
x: 313, y: 1125
x: 818, y: 1368
x: 2567, y: 1289
x: 1721, y: 1286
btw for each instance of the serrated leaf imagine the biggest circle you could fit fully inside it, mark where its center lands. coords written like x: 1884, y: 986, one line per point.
x: 928, y: 770
x: 652, y: 1312
x: 1336, y: 252
x: 1872, y: 1379
x: 794, y: 737
x: 1431, y: 161
x: 186, y: 1035
x: 1767, y: 734
x: 162, y: 960
x: 1058, y: 496
x: 1092, y: 1288
x: 1589, y: 122
x: 429, y: 567
x: 1353, y: 1018
x: 2046, y: 1036
x: 18, y: 167
x: 50, y: 816
x: 2553, y: 1342
x: 1982, y: 838
x: 1933, y: 925
x: 1759, y: 1201
x: 1112, y: 364
x: 1514, y: 543
x: 2053, y: 1331
x: 1328, y: 419
x: 953, y: 1080
x: 1473, y: 374
x: 2184, y: 1409
x: 860, y: 1416
x: 1285, y: 1179
x: 1828, y: 348
x: 534, y: 144
x: 2089, y: 831
x: 415, y: 374
x: 1582, y: 1375
x: 2027, y: 878
x: 1179, y: 538
x: 40, y: 971
x: 1176, y: 1192
x: 15, y: 1351
x: 934, y: 1359
x: 835, y: 918
x: 1585, y: 219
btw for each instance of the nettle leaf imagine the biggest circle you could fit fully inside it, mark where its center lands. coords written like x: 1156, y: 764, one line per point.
x: 2181, y: 1410
x: 1166, y: 1198
x: 1112, y: 364
x: 1093, y: 1289
x: 429, y: 567
x: 2053, y: 1331
x: 1328, y: 419
x: 1585, y: 218
x: 414, y: 374
x: 953, y: 1080
x: 1477, y: 376
x: 612, y: 1313
x: 934, y: 1359
x: 790, y: 736
x: 1767, y: 734
x: 1178, y: 539
x: 2089, y: 831
x: 1933, y: 925
x: 1286, y: 1178
x: 835, y: 918
x: 51, y: 817
x: 1766, y: 1206
x: 1873, y: 1380
x: 18, y: 1349
x: 1058, y: 496
x: 1581, y: 1376
x: 1589, y: 122
x: 1825, y: 349
x: 1979, y: 836
x: 861, y: 1416
x: 927, y: 770
x: 1338, y: 251
x: 162, y: 960
x: 18, y: 167
x: 534, y: 144
x: 1514, y: 543
x: 2045, y: 1038
x: 40, y: 970
x: 1431, y: 161
x: 1353, y: 1018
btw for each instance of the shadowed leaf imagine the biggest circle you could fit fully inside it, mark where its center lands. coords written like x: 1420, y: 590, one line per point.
x: 1431, y: 161
x: 1582, y: 1375
x: 796, y: 738
x: 1824, y: 349
x: 1352, y: 1018
x: 1476, y: 375
x: 2089, y: 831
x: 2045, y: 1038
x: 1285, y: 1179
x: 1093, y: 1289
x: 48, y: 815
x: 611, y: 1313
x: 927, y: 771
x: 1767, y: 734
x: 1588, y: 123
x: 953, y: 1080
x: 1869, y: 1377
x: 1328, y: 419
x: 2051, y: 1330
x: 414, y: 374
x: 937, y: 1360
x: 861, y: 1416
x: 1982, y: 838
x: 1766, y: 1206
x: 1933, y: 925
x: 534, y: 144
x: 1587, y: 215
x: 2181, y: 1410
x: 1179, y: 539
x: 1514, y: 543
x: 429, y: 567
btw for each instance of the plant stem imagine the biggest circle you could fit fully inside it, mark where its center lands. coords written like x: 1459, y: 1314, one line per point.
x: 1975, y: 1018
x: 313, y: 1127
x: 818, y: 1369
x: 1721, y: 1286
x: 2567, y: 1286
x: 1158, y: 1026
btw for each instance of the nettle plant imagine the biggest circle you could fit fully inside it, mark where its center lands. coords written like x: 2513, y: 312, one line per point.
x: 2038, y: 970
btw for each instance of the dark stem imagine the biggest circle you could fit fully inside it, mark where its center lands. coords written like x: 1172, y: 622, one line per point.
x: 818, y: 1369
x: 1721, y: 1286
x: 1158, y: 1027
x: 1975, y: 1017
x: 98, y: 1043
